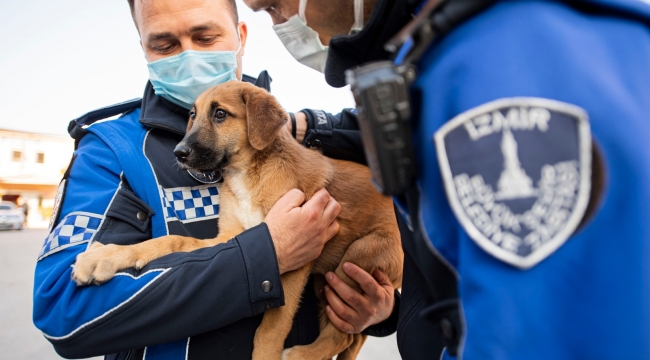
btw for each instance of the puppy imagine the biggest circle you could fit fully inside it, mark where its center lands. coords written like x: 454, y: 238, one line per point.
x: 240, y: 128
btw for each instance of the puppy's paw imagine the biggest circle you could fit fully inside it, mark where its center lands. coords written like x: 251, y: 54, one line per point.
x: 99, y: 263
x: 293, y: 353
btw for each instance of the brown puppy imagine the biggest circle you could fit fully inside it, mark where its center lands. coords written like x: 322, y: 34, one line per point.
x: 239, y: 127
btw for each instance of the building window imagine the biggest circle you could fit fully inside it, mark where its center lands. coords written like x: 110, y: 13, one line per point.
x: 40, y: 158
x: 17, y: 156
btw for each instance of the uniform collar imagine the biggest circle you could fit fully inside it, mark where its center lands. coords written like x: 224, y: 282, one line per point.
x: 349, y: 51
x: 159, y: 113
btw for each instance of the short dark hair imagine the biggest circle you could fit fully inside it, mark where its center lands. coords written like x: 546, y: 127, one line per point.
x: 231, y: 4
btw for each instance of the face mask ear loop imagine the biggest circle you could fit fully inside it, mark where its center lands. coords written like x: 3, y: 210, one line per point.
x: 301, y: 10
x: 358, y: 16
x: 239, y: 37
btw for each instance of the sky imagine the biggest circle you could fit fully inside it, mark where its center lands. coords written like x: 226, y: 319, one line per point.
x: 61, y: 59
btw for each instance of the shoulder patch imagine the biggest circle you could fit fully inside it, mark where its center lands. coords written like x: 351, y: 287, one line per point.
x: 56, y: 209
x: 517, y: 173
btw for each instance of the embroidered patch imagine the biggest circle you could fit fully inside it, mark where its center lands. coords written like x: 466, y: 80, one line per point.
x: 192, y: 203
x: 56, y: 209
x: 517, y: 173
x: 74, y: 228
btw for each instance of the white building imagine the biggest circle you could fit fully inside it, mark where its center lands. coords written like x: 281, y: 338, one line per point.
x: 31, y: 167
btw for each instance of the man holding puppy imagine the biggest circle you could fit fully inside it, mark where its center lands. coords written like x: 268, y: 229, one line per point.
x: 123, y: 187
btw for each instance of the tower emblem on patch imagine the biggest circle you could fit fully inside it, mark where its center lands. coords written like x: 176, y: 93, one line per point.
x: 517, y: 173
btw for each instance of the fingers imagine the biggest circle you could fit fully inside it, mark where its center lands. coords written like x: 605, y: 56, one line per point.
x: 318, y: 201
x: 341, y: 324
x: 367, y: 283
x: 332, y: 230
x: 342, y: 310
x: 382, y: 279
x: 349, y: 295
x: 332, y: 209
x: 292, y: 199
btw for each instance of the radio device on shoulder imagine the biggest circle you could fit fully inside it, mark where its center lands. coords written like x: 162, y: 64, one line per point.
x: 381, y: 92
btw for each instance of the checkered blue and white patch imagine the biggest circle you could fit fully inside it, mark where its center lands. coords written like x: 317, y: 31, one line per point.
x: 74, y: 228
x: 189, y: 204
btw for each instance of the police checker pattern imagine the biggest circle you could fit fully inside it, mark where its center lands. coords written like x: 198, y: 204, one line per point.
x: 74, y: 228
x: 191, y: 203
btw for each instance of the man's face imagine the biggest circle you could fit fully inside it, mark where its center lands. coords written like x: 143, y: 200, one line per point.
x: 169, y: 27
x: 327, y: 17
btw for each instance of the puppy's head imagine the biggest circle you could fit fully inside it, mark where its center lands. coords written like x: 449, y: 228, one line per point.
x: 229, y: 120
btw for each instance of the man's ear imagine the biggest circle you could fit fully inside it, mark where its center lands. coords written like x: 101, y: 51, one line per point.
x: 264, y: 116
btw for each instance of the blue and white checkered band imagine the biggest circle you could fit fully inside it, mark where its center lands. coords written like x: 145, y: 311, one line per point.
x: 189, y: 204
x: 517, y: 173
x: 77, y: 227
x: 210, y: 177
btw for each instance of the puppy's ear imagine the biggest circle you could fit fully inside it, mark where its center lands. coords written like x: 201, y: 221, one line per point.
x: 264, y: 116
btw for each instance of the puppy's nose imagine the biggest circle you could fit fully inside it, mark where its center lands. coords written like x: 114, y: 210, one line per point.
x: 182, y: 151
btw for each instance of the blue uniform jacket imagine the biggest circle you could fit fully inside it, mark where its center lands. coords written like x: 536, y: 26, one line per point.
x: 123, y: 187
x: 587, y: 298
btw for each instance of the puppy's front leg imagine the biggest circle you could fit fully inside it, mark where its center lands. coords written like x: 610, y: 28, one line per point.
x: 100, y: 262
x: 276, y: 324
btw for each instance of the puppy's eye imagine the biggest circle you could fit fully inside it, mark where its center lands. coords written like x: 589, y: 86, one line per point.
x: 192, y: 114
x: 220, y: 115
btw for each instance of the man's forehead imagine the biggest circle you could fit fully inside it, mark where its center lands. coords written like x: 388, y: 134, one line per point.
x: 149, y: 11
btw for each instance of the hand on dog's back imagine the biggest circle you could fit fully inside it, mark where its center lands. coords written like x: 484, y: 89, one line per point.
x: 299, y: 233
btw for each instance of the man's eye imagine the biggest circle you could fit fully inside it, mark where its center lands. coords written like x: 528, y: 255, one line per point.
x: 220, y: 115
x: 164, y: 49
x: 206, y: 39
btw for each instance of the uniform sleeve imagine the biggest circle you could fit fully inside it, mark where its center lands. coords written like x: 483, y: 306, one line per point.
x: 337, y: 135
x: 174, y: 297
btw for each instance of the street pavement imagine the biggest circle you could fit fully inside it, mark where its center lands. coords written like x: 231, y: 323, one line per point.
x: 20, y: 340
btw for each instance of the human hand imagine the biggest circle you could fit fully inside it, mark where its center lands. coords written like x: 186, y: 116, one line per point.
x: 352, y: 312
x: 301, y: 125
x: 299, y: 233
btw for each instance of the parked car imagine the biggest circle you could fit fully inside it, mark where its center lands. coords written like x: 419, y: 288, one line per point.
x: 11, y: 217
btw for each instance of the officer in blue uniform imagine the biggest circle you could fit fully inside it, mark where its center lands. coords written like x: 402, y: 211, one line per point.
x: 123, y: 187
x: 531, y: 202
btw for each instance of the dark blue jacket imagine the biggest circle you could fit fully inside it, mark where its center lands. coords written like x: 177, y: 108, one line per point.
x: 123, y: 187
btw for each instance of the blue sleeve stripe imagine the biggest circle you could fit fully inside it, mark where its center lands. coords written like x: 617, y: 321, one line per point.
x: 76, y: 228
x: 150, y: 281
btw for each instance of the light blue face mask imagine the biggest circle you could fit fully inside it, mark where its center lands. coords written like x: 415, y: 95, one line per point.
x: 182, y: 78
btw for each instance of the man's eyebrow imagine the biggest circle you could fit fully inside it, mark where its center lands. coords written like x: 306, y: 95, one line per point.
x: 197, y: 28
x: 207, y: 26
x: 160, y: 36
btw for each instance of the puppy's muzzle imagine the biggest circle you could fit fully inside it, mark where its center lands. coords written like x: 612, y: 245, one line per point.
x: 182, y: 152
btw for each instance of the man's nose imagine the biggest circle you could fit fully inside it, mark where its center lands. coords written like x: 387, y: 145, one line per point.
x: 182, y: 152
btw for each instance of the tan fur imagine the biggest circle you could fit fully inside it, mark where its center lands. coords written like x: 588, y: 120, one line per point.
x: 267, y: 162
